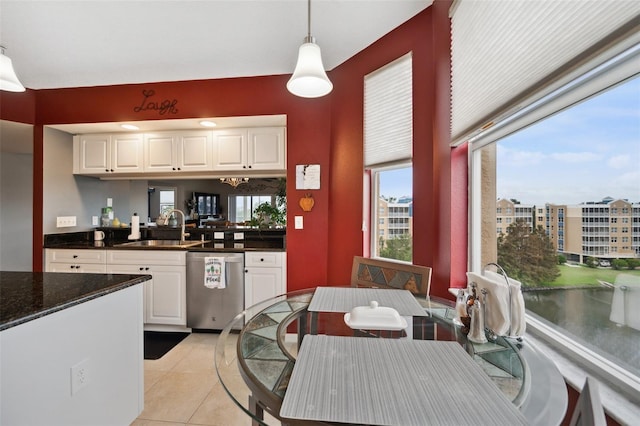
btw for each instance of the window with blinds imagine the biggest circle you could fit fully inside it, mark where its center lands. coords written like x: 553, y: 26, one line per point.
x: 388, y: 148
x: 388, y: 114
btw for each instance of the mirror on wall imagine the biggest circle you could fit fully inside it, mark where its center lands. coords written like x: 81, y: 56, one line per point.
x: 202, y: 199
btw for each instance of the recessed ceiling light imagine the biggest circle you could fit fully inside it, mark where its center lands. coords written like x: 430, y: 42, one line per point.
x: 208, y: 123
x: 129, y: 127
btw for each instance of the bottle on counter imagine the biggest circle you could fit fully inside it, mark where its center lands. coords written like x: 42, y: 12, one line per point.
x: 106, y: 217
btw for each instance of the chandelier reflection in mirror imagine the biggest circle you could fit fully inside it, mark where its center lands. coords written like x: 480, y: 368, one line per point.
x: 234, y: 181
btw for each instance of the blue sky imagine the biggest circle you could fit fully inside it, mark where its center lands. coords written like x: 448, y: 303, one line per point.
x: 584, y: 153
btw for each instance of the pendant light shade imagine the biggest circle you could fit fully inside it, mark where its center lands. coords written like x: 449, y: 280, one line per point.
x: 8, y: 79
x: 309, y: 79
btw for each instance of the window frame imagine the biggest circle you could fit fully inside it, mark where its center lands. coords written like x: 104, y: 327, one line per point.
x: 374, y: 232
x: 588, y: 85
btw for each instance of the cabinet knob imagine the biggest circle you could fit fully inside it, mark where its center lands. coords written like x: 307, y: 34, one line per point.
x: 75, y: 256
x: 244, y: 167
x: 106, y: 170
x: 261, y: 259
x: 173, y: 168
x: 249, y: 166
x: 111, y: 170
x: 146, y: 269
x: 141, y: 268
x: 246, y: 271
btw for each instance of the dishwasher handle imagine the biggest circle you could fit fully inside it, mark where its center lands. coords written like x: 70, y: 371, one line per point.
x: 229, y: 259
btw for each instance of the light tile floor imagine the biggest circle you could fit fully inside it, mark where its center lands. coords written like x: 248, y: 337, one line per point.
x: 182, y: 388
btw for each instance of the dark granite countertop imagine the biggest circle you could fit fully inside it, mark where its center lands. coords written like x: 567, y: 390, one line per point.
x: 254, y: 240
x: 26, y: 296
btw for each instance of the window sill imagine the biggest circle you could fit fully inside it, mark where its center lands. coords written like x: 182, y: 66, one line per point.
x: 618, y: 388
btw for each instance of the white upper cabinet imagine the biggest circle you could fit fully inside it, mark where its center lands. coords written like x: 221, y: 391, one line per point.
x: 189, y: 151
x: 267, y: 148
x: 105, y: 154
x: 246, y: 150
x: 249, y: 149
x: 230, y: 149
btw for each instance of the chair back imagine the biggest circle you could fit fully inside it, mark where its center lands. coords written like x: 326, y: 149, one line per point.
x: 589, y: 411
x: 380, y: 273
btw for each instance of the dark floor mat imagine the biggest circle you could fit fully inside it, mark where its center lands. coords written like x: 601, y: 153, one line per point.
x: 157, y: 343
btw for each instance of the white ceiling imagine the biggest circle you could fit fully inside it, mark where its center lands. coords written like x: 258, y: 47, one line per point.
x: 57, y: 44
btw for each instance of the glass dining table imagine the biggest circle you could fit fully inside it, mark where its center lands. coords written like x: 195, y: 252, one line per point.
x: 257, y: 351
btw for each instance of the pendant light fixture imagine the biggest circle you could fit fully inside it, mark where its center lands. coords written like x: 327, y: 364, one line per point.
x: 309, y: 80
x: 8, y: 79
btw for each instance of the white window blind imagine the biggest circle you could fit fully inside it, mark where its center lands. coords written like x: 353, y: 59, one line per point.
x: 388, y: 114
x: 507, y: 55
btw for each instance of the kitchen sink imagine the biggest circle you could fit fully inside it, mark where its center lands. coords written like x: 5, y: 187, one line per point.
x: 162, y: 243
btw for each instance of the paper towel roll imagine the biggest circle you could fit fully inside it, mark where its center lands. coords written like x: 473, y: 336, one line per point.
x: 135, y: 227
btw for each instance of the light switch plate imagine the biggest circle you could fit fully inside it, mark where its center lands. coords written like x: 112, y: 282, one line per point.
x: 299, y: 223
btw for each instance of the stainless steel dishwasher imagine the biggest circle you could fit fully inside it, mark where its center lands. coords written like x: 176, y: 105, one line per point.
x: 212, y: 309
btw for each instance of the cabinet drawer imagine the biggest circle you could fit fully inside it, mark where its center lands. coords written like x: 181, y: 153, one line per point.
x: 263, y: 259
x: 146, y: 257
x: 86, y: 268
x: 76, y: 256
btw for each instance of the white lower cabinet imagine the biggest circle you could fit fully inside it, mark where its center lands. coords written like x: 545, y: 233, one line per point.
x: 265, y: 276
x: 165, y: 294
x: 78, y: 261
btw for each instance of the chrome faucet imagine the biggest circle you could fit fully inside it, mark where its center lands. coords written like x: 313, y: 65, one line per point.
x: 183, y: 235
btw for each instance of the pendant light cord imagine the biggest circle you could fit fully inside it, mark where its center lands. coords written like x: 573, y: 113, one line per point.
x: 309, y: 19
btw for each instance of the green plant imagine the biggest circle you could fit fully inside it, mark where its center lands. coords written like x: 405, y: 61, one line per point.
x: 266, y: 215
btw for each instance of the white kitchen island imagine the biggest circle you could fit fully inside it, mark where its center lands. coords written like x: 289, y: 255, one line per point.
x: 71, y: 349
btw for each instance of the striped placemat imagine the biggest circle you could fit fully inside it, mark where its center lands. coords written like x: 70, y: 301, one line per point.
x: 392, y: 382
x: 344, y: 299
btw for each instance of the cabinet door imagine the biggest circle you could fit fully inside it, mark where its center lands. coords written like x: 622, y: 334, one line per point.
x: 230, y: 149
x: 127, y: 153
x: 166, y: 298
x: 266, y: 149
x: 160, y: 152
x: 195, y: 151
x: 261, y: 284
x: 94, y: 154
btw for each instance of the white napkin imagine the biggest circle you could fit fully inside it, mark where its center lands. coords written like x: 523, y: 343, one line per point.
x: 496, y: 306
x: 214, y: 276
x: 518, y: 321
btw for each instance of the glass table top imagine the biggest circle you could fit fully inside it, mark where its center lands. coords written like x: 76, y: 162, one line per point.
x: 257, y: 351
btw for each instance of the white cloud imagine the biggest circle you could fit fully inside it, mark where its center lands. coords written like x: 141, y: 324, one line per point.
x: 574, y: 157
x: 514, y: 157
x: 619, y: 161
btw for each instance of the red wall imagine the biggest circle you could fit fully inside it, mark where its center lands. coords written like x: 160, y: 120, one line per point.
x: 427, y: 37
x: 326, y: 131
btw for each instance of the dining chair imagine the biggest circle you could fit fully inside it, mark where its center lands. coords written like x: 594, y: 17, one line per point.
x: 378, y: 273
x: 589, y: 411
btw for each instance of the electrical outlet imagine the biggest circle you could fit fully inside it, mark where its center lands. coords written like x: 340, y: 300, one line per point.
x: 298, y: 222
x: 94, y: 221
x: 65, y: 221
x: 80, y: 376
